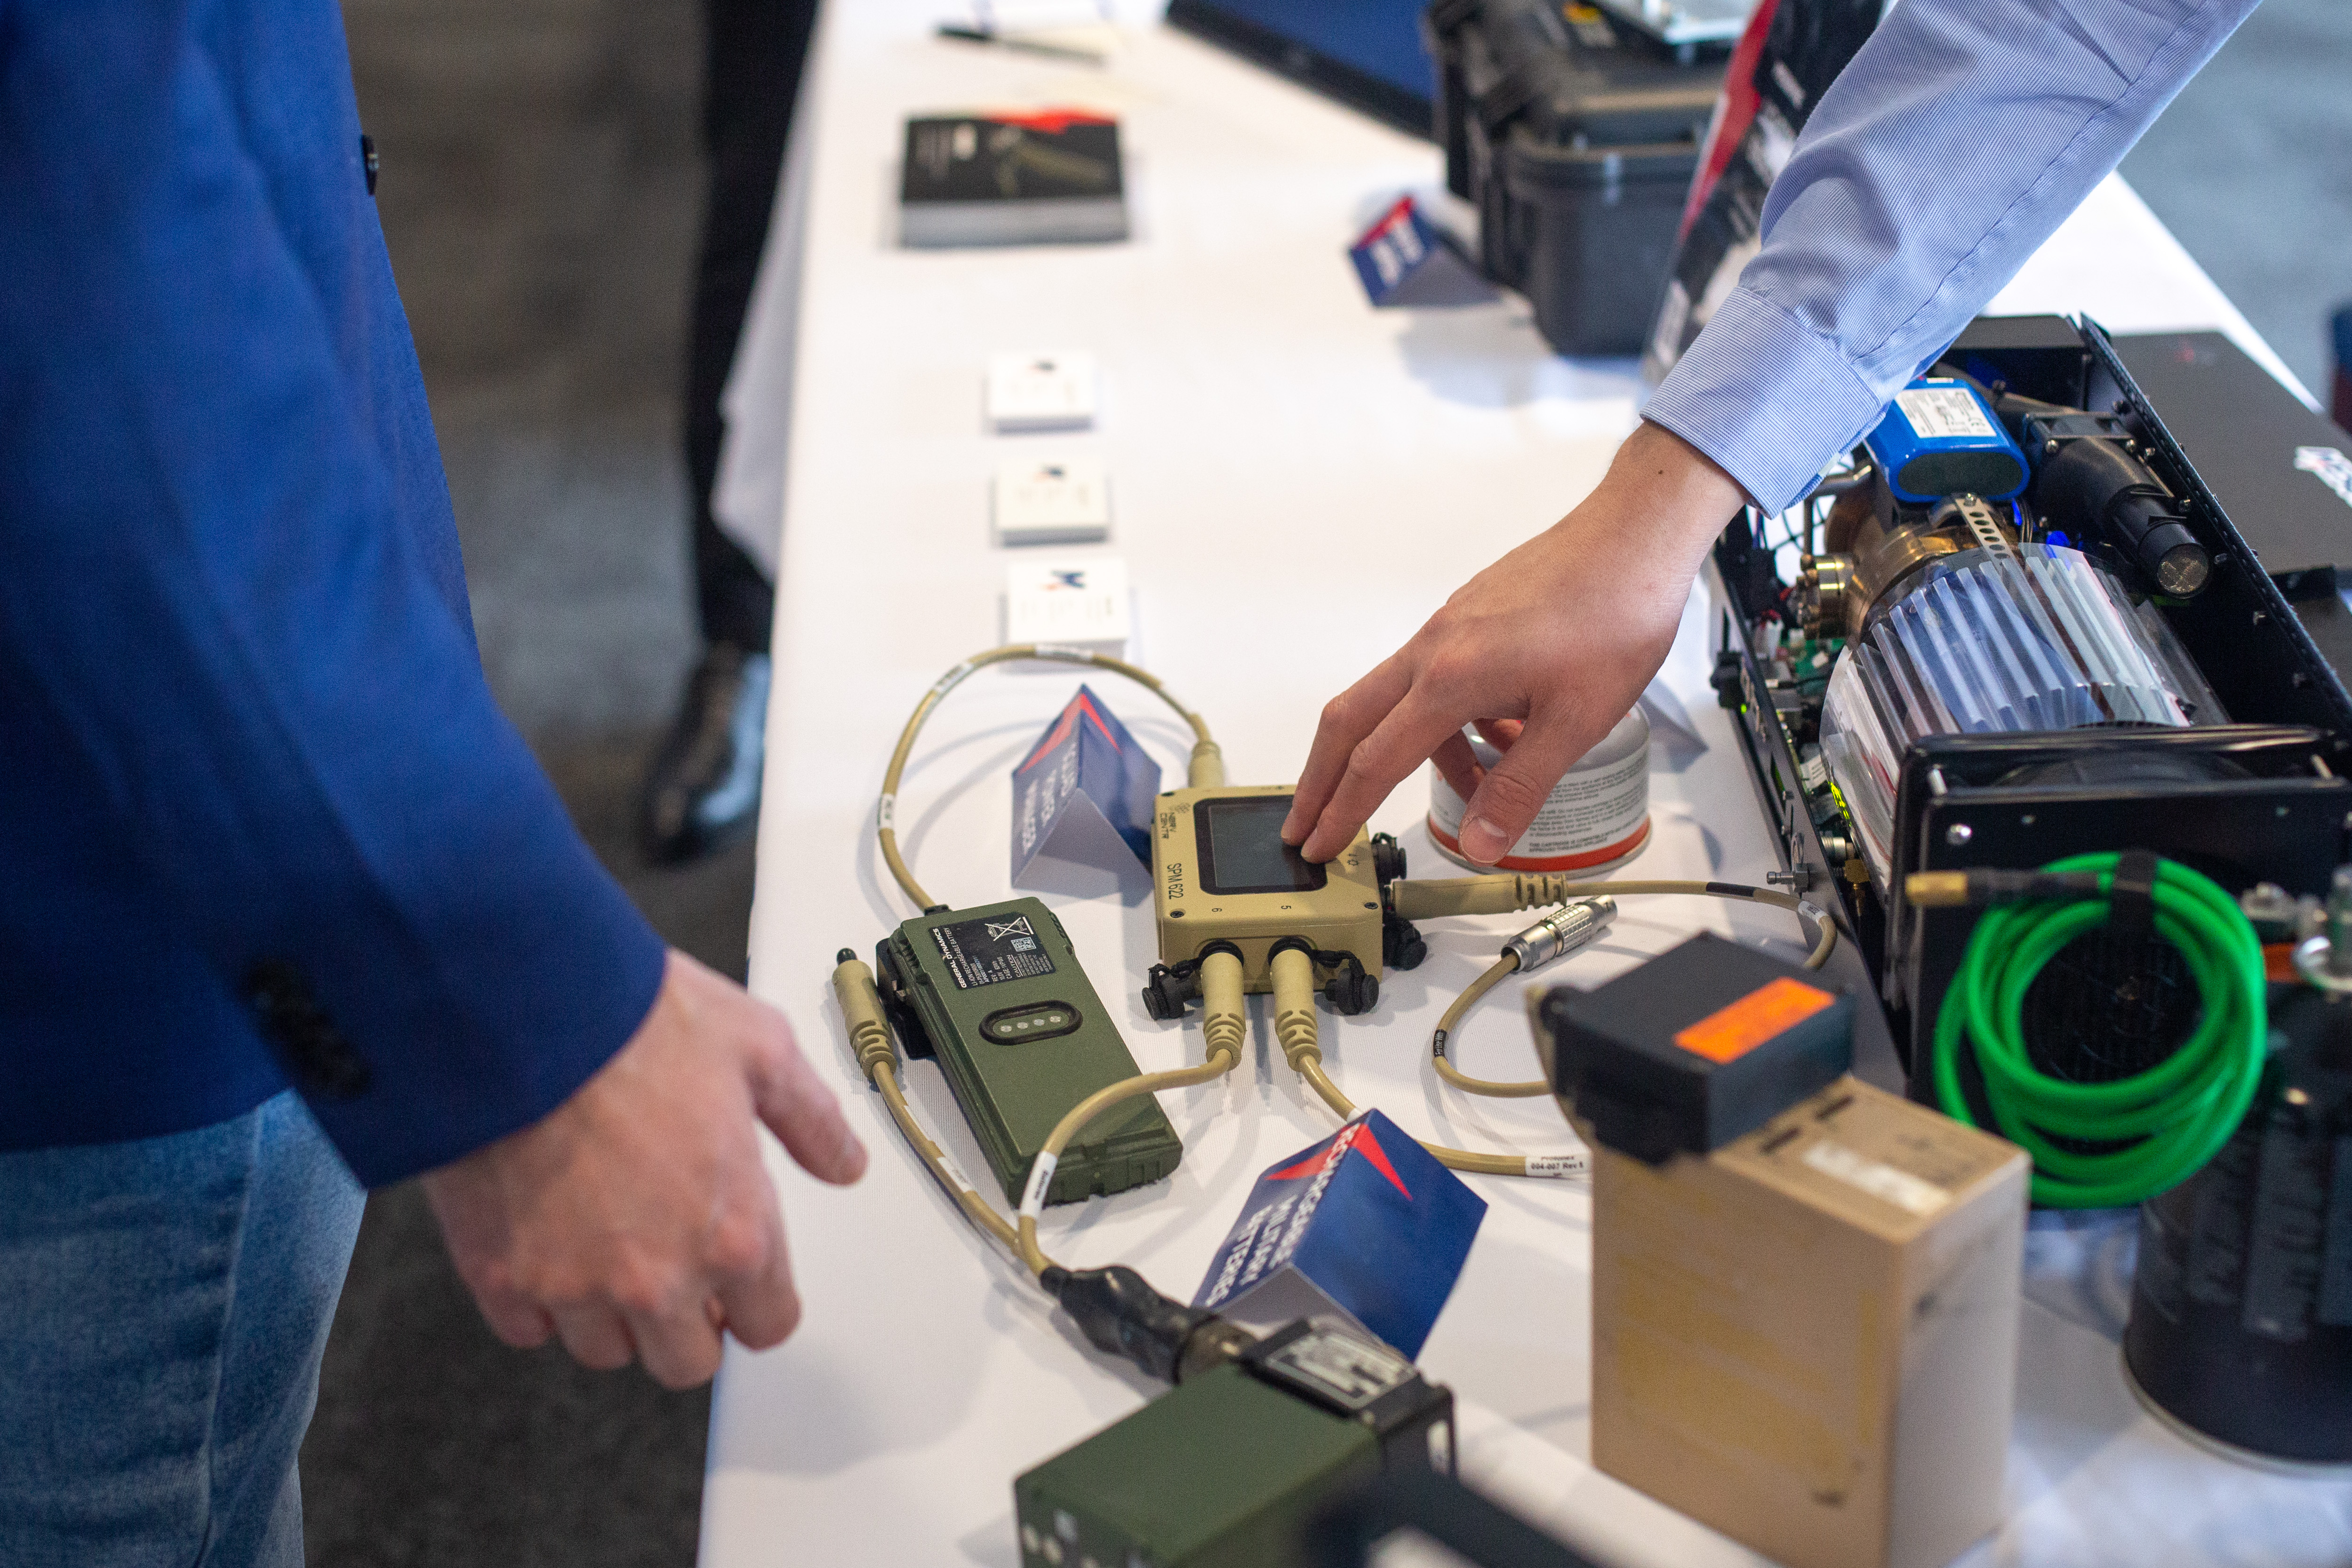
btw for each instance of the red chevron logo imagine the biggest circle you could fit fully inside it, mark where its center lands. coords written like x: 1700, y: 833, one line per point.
x: 1364, y: 1141
x: 1061, y: 731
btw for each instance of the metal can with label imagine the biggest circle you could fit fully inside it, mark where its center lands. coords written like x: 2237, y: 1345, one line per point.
x: 1598, y: 817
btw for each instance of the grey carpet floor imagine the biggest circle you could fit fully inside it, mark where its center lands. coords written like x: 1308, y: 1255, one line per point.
x: 433, y: 1444
x: 540, y: 193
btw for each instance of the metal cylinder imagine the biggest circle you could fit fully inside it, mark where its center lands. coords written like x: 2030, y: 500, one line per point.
x: 2240, y: 1331
x: 1597, y: 818
x: 1561, y: 932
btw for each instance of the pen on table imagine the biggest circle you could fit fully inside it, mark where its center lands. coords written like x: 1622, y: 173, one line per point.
x: 1025, y: 46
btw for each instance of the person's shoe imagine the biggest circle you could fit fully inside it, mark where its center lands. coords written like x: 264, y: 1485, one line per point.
x: 703, y: 788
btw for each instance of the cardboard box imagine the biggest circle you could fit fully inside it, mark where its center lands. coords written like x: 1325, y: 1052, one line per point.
x: 1808, y: 1337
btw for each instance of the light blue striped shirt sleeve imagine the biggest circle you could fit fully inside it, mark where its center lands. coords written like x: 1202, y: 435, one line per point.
x: 1957, y: 140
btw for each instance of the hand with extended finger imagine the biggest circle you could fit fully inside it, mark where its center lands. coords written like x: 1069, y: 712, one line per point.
x: 1544, y: 651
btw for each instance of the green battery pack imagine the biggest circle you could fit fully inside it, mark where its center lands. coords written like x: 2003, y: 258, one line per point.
x: 996, y: 996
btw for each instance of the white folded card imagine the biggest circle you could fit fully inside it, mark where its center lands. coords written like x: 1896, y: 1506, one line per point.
x: 1041, y: 392
x: 1079, y: 603
x: 1056, y: 500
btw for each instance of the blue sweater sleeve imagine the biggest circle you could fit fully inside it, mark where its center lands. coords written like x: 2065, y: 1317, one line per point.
x: 1958, y: 139
x: 226, y: 584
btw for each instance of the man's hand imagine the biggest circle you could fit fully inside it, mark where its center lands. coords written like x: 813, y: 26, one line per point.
x: 634, y: 1220
x: 1564, y: 632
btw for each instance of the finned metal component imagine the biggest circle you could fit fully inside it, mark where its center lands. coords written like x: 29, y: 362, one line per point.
x: 1838, y: 594
x: 1561, y: 932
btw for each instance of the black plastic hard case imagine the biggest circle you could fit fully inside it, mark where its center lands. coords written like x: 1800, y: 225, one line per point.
x: 1576, y: 137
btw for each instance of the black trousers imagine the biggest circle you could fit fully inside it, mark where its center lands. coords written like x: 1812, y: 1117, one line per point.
x: 755, y: 50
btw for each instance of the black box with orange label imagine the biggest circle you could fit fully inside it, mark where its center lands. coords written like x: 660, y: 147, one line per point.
x: 1704, y: 1043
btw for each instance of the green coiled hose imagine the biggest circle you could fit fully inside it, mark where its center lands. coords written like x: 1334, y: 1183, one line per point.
x: 2169, y: 1120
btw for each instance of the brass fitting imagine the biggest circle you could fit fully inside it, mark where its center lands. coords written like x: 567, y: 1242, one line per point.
x: 1936, y: 889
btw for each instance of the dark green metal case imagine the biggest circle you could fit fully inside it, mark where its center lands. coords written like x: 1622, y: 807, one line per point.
x: 1228, y: 1469
x: 1221, y: 1471
x: 995, y: 993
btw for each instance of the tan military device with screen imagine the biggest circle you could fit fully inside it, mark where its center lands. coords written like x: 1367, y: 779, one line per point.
x: 1220, y: 873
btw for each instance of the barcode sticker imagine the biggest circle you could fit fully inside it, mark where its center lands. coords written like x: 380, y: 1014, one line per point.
x: 1906, y: 1192
x: 1943, y: 412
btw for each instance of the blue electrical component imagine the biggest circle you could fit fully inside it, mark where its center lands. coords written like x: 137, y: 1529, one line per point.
x: 1938, y: 439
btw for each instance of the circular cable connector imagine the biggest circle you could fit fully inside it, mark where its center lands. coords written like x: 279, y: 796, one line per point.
x: 1561, y: 932
x: 1165, y: 996
x: 1401, y: 945
x: 1352, y: 991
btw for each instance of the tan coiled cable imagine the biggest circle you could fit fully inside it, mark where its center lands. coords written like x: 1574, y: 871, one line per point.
x: 861, y: 1006
x: 1206, y: 769
x: 1294, y: 1028
x: 1445, y: 1037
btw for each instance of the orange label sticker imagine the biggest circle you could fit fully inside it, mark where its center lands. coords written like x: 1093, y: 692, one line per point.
x: 1732, y: 1032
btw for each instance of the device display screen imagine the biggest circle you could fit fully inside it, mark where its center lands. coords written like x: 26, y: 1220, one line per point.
x: 1242, y: 849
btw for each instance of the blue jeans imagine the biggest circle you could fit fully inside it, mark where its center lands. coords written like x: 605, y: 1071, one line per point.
x: 164, y: 1305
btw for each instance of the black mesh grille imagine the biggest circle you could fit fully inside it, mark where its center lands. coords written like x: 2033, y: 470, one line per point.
x: 2106, y: 1007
